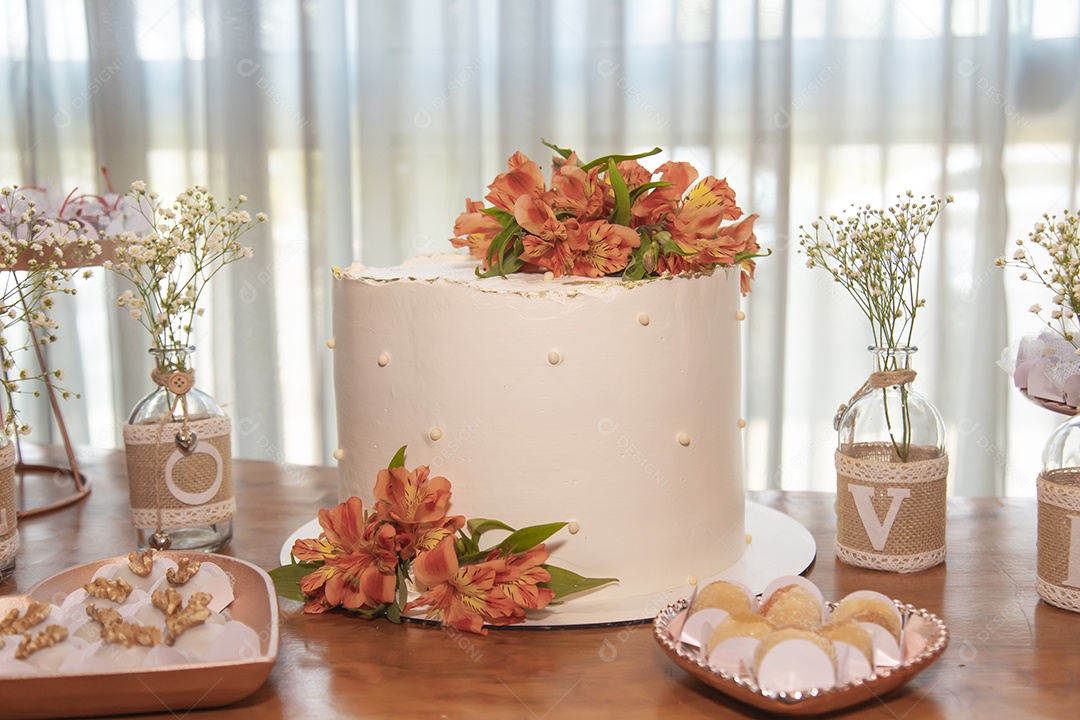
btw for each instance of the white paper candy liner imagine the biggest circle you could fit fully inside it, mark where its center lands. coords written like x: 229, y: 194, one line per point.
x: 698, y: 627
x: 198, y: 641
x: 209, y: 579
x: 735, y: 656
x: 886, y: 650
x: 52, y: 658
x: 914, y: 637
x: 237, y: 641
x: 81, y: 598
x: 851, y: 663
x: 794, y: 665
x: 161, y: 566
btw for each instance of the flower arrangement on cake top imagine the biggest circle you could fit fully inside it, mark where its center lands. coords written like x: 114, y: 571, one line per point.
x: 364, y: 561
x: 608, y: 216
x: 40, y: 251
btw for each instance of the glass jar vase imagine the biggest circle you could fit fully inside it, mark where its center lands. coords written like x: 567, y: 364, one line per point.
x: 9, y: 531
x: 179, y: 460
x: 1057, y: 577
x: 891, y: 469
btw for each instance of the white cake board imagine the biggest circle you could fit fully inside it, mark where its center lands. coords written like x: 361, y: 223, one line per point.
x: 779, y: 545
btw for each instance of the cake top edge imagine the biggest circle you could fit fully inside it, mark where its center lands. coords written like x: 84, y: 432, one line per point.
x: 460, y: 268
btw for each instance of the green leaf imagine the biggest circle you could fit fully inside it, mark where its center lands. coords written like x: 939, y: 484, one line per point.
x: 499, y: 214
x: 474, y: 557
x: 642, y: 189
x: 669, y: 246
x: 399, y: 459
x: 496, y: 251
x: 617, y: 158
x: 393, y: 613
x: 529, y: 537
x: 565, y: 582
x: 402, y: 587
x: 745, y: 255
x: 371, y: 612
x: 621, y: 214
x: 287, y: 579
x: 564, y: 152
x: 479, y: 526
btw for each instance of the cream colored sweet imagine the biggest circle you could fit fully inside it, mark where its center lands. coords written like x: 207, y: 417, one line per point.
x: 632, y: 432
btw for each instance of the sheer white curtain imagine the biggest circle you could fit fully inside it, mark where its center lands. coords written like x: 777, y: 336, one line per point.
x: 361, y: 128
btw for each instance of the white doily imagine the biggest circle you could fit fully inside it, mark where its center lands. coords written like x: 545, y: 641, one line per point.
x: 1059, y: 596
x: 891, y: 563
x: 197, y: 516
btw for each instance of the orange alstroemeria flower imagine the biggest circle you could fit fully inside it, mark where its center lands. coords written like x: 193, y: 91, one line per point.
x: 608, y: 249
x: 411, y: 497
x: 360, y: 561
x: 581, y: 193
x: 523, y: 177
x: 416, y: 539
x: 437, y: 563
x: 729, y: 242
x: 496, y: 591
x: 466, y: 599
x: 655, y: 207
x: 551, y: 244
x: 633, y: 173
x: 475, y: 229
x: 519, y: 580
x: 708, y: 203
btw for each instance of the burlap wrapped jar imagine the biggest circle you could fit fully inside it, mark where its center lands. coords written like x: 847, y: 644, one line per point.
x: 9, y: 531
x: 1057, y: 576
x: 891, y: 472
x: 171, y: 488
x: 179, y: 461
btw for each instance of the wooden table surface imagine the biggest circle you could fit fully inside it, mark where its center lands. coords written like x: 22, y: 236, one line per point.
x: 1010, y: 655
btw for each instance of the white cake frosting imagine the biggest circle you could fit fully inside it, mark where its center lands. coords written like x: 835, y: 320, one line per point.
x: 611, y: 405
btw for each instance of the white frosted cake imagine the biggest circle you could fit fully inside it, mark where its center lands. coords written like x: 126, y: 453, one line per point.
x: 611, y: 405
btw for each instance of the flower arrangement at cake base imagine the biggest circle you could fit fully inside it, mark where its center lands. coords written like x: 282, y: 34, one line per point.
x: 891, y: 464
x: 367, y: 561
x: 177, y: 438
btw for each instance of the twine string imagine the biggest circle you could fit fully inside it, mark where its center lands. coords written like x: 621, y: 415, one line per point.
x: 877, y: 381
x: 178, y: 382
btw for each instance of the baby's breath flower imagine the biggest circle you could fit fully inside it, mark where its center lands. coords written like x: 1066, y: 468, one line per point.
x: 1054, y: 263
x: 877, y: 256
x: 190, y: 241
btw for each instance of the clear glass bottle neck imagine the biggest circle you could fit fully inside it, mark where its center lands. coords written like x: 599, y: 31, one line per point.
x: 887, y: 359
x: 170, y: 359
